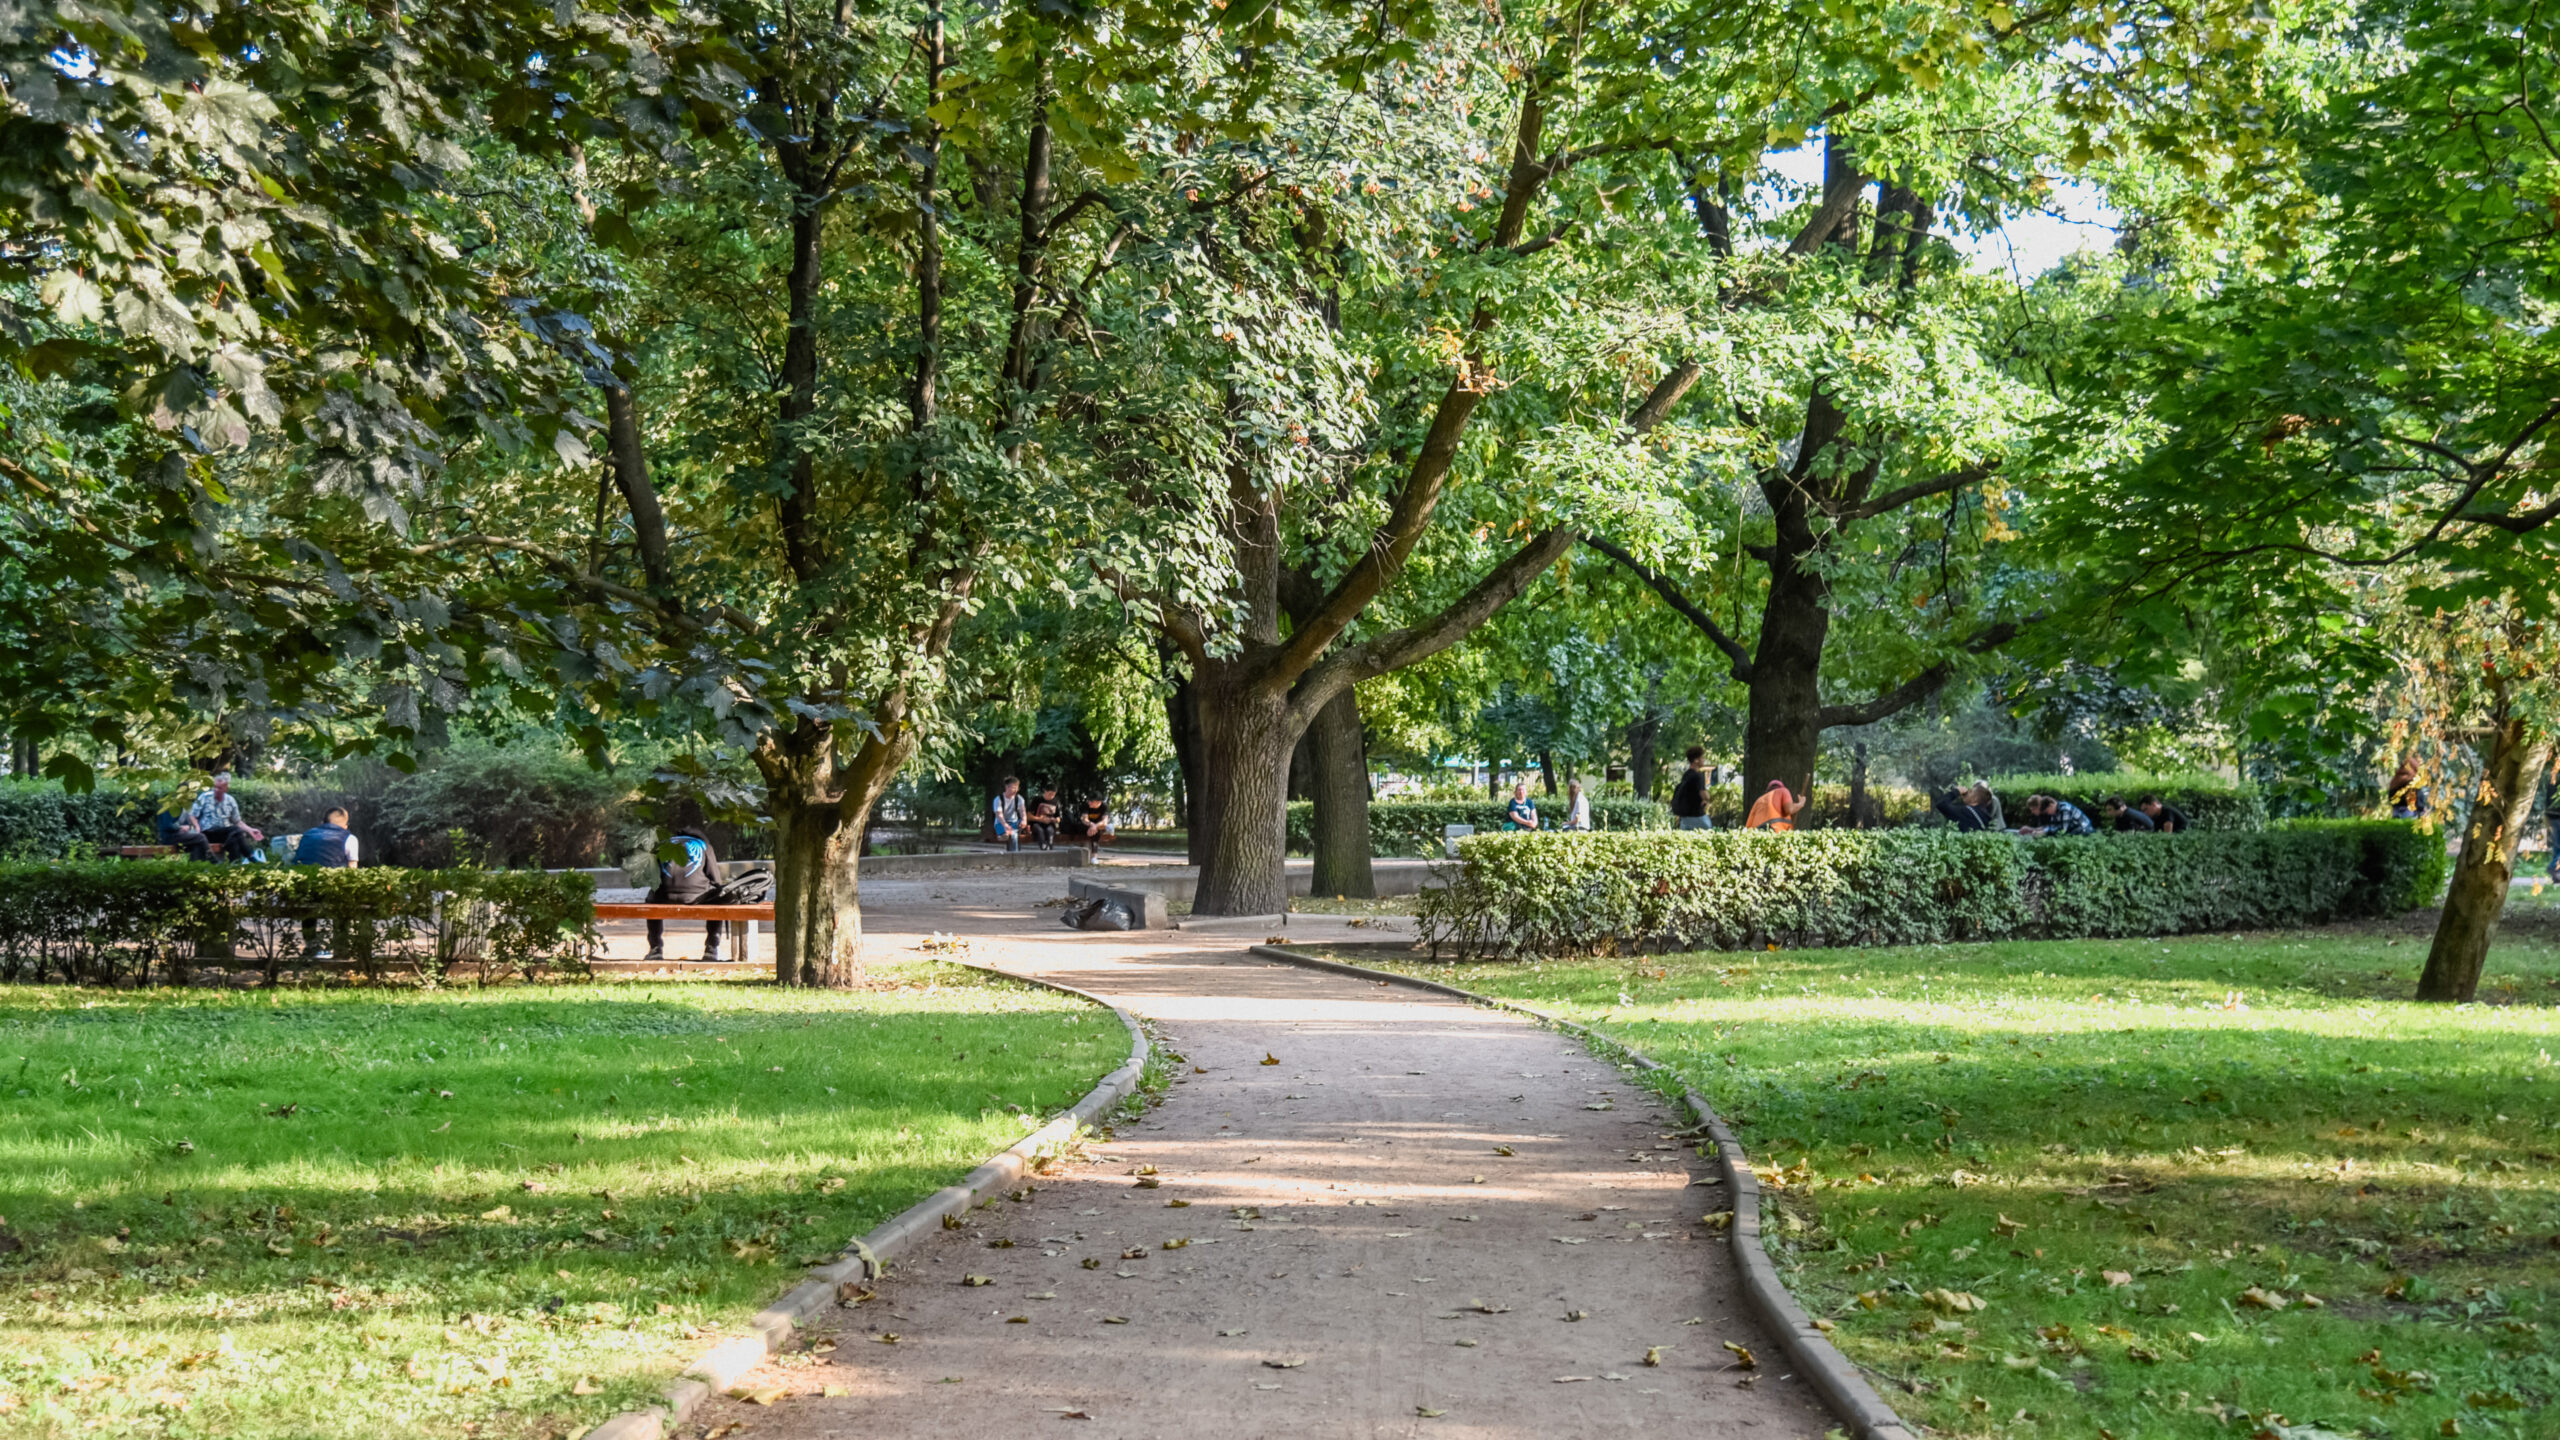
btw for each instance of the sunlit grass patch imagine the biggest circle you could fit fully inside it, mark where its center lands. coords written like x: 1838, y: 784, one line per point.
x: 338, y: 1213
x: 2150, y: 1186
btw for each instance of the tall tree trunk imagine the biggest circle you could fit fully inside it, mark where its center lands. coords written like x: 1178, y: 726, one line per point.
x: 1644, y: 765
x: 1858, y: 789
x: 1302, y: 766
x: 1240, y: 809
x: 820, y: 809
x: 1547, y: 769
x: 1782, y: 731
x: 1182, y: 720
x: 1341, y: 776
x: 2472, y: 904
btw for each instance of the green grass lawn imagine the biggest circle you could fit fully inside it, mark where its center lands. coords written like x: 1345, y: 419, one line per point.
x: 2141, y: 1189
x: 493, y: 1213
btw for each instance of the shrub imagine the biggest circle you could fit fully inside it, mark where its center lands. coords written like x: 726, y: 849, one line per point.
x: 2212, y: 802
x: 1724, y: 890
x: 38, y: 821
x: 127, y: 922
x: 514, y: 806
x: 1415, y: 827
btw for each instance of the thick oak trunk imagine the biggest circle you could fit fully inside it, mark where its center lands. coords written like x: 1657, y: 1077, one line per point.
x: 1240, y: 820
x: 2478, y: 894
x: 1182, y: 719
x: 1340, y: 776
x: 1643, y: 766
x: 1782, y: 733
x: 817, y: 892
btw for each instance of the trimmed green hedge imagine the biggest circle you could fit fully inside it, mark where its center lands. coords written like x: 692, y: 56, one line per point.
x: 1726, y: 890
x: 1414, y: 827
x: 130, y: 922
x: 2209, y: 800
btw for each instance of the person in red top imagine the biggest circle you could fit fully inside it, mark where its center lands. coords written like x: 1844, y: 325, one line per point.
x: 1775, y: 809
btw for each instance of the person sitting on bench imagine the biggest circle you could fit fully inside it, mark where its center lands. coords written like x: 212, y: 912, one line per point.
x: 216, y: 816
x: 331, y: 844
x: 1045, y: 815
x: 1091, y: 823
x: 686, y: 880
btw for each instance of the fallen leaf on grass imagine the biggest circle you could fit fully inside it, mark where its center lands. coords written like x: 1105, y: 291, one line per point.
x: 2115, y: 1278
x: 2142, y: 1355
x: 1743, y: 1359
x: 586, y: 1386
x: 2261, y: 1299
x: 1954, y: 1302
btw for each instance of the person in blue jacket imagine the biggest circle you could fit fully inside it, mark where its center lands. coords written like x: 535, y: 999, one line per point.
x: 332, y: 845
x: 686, y: 880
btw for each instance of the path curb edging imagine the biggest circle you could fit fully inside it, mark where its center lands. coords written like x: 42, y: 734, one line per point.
x: 771, y: 1328
x: 1844, y: 1391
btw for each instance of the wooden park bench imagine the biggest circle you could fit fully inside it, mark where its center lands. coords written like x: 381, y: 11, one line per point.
x: 743, y: 919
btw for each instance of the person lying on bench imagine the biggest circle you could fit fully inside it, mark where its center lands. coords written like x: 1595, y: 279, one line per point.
x: 686, y: 880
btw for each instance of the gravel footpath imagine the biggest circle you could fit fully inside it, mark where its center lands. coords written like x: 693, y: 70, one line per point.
x: 1332, y: 1244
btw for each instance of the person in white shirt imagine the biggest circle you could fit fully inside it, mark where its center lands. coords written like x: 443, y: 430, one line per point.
x: 1577, y: 812
x: 216, y: 816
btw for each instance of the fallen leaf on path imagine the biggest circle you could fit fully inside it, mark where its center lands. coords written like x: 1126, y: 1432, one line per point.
x: 1041, y: 1295
x: 1270, y: 1059
x: 1427, y: 1413
x: 887, y: 1337
x: 1173, y: 1244
x: 1571, y: 1315
x: 1090, y: 1263
x: 1266, y: 1387
x: 1115, y: 1319
x: 1017, y: 1320
x: 1504, y: 1150
x: 1283, y: 1364
x: 1071, y: 1414
x: 1571, y: 1379
x: 1466, y: 1344
x: 758, y: 1395
x: 836, y: 1392
x: 1572, y: 1240
x: 977, y: 1280
x: 1742, y: 1356
x: 1149, y: 1182
x: 1481, y: 1308
x: 1232, y: 1333
x: 1001, y: 1243
x: 1138, y: 1254
x: 1653, y: 1354
x: 1177, y: 1204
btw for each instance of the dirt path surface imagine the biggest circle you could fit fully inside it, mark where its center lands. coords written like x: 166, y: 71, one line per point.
x: 1334, y: 1244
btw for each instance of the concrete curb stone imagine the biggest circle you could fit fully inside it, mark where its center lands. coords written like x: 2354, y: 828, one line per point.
x: 1843, y: 1389
x: 771, y: 1328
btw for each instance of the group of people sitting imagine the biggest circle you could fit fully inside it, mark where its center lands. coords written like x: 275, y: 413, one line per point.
x: 1976, y: 808
x: 1042, y: 821
x: 212, y: 826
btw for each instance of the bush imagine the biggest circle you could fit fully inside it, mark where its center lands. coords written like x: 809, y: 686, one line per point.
x: 514, y: 806
x: 127, y: 922
x: 1415, y: 827
x: 2212, y: 802
x: 1725, y: 890
x: 38, y: 821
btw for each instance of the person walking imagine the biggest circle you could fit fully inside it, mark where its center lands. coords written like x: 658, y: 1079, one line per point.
x: 1005, y: 812
x: 329, y: 844
x: 1577, y: 807
x: 686, y: 880
x: 1689, y: 797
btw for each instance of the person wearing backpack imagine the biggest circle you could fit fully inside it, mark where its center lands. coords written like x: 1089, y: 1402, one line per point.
x: 687, y: 879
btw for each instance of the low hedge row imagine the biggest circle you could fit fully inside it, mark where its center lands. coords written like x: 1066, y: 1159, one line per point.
x: 112, y: 923
x: 1726, y: 890
x: 1415, y: 827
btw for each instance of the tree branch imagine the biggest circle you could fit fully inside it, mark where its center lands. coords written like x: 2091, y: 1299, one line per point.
x: 1399, y: 648
x: 1672, y: 596
x: 1925, y: 684
x: 1902, y: 495
x: 1841, y: 187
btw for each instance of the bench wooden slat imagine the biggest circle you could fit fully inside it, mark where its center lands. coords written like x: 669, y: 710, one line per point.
x: 740, y: 913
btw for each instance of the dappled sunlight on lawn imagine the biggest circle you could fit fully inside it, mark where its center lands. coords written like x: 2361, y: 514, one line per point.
x: 334, y: 1212
x: 2150, y: 1185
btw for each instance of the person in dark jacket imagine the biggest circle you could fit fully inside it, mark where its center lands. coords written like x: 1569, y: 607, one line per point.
x: 332, y: 845
x: 1972, y: 809
x: 2124, y: 819
x: 686, y: 880
x: 1689, y: 797
x: 2166, y: 818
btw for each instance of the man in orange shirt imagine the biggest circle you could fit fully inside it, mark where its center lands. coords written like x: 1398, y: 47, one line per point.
x: 1775, y: 809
